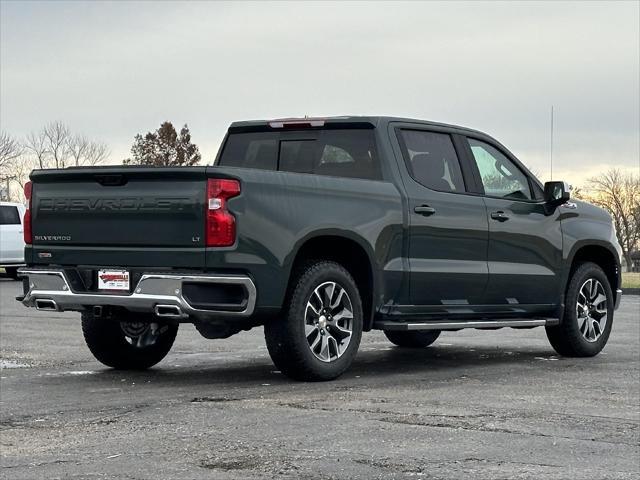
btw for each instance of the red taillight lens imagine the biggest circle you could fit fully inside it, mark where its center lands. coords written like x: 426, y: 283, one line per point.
x: 221, y: 225
x: 27, y: 191
x: 26, y: 227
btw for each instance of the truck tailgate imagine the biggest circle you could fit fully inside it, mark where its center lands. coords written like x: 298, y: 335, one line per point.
x: 119, y: 216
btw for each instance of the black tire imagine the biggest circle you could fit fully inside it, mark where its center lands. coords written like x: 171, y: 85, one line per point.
x: 286, y: 340
x: 567, y: 338
x: 12, y: 272
x: 412, y: 339
x: 108, y: 343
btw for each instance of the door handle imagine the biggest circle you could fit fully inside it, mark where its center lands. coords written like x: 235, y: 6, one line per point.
x: 500, y: 216
x: 425, y: 210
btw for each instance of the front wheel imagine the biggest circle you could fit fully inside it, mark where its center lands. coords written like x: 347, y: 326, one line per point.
x: 588, y: 315
x: 319, y: 335
x: 127, y: 345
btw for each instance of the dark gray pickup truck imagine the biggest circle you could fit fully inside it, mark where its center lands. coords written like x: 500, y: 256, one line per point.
x: 321, y: 229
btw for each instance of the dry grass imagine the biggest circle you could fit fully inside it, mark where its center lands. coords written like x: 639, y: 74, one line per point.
x: 631, y: 280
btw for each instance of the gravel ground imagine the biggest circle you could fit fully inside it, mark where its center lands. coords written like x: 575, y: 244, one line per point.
x: 477, y: 404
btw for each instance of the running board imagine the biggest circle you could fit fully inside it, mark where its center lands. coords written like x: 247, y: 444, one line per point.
x: 456, y: 325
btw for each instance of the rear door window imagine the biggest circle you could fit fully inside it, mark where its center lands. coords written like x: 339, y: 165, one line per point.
x: 347, y: 153
x: 432, y: 160
x: 9, y: 215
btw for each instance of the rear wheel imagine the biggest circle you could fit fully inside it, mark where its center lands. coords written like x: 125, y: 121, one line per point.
x: 127, y: 345
x: 319, y: 335
x: 12, y: 272
x: 588, y: 315
x: 412, y: 339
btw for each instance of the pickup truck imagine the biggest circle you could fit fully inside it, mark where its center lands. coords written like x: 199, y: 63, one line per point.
x: 320, y: 229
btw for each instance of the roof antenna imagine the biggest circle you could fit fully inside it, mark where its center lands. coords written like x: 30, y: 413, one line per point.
x: 551, y: 152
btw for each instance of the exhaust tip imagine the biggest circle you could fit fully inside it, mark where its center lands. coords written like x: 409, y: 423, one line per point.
x: 172, y: 311
x: 46, y: 305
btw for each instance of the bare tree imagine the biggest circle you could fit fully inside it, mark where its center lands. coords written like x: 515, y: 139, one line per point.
x: 619, y: 194
x: 96, y: 153
x: 21, y: 170
x: 36, y: 145
x: 57, y: 137
x: 54, y: 146
x: 77, y: 147
x: 85, y: 152
x: 10, y: 150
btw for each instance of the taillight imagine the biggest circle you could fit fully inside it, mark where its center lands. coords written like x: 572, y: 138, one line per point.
x: 221, y: 225
x: 26, y: 227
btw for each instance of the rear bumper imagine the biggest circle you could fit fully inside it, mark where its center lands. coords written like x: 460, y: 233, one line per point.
x: 154, y: 293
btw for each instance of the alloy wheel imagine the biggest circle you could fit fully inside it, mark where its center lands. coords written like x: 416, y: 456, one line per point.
x: 328, y: 321
x: 591, y: 309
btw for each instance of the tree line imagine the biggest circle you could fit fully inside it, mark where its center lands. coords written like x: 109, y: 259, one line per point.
x: 618, y: 193
x: 56, y: 146
x: 53, y: 146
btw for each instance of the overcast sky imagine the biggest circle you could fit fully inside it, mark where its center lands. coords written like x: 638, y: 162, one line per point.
x: 114, y: 69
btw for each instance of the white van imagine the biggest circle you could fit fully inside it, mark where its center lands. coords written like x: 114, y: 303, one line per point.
x: 11, y: 237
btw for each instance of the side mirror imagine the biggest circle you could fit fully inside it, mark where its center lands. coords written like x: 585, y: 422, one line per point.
x: 556, y: 193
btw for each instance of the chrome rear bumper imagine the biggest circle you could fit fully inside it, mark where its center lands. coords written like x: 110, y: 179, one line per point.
x: 155, y: 293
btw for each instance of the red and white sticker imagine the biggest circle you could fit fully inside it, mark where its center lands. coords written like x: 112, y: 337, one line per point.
x: 113, y: 280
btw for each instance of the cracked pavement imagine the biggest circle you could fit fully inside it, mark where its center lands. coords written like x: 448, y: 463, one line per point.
x: 476, y: 404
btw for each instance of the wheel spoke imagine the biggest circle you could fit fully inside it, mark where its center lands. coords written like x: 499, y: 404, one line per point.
x: 328, y: 291
x: 584, y: 297
x: 602, y: 322
x: 315, y: 342
x: 331, y: 341
x: 596, y: 328
x: 313, y: 309
x: 344, y: 314
x: 592, y: 331
x: 600, y: 298
x: 309, y: 329
x: 319, y: 297
x: 602, y: 310
x: 338, y: 332
x: 324, y: 348
x: 582, y: 324
x: 338, y: 299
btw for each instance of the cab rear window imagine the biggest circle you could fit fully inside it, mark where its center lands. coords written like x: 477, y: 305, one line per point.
x: 340, y: 153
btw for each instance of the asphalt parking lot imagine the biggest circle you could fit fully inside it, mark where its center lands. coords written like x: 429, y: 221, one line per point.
x: 477, y: 404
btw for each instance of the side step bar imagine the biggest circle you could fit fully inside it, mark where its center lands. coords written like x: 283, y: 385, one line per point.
x: 456, y: 325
